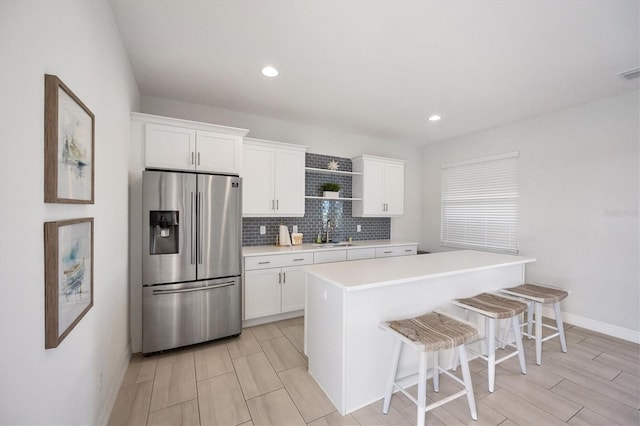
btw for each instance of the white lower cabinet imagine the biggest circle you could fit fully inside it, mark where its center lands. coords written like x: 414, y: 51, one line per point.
x: 275, y: 283
x: 271, y: 287
x: 262, y: 294
x: 396, y: 251
x: 362, y: 253
x: 329, y: 256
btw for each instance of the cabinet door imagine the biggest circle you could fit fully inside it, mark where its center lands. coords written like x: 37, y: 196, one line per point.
x: 363, y: 253
x: 262, y: 293
x: 293, y: 288
x: 219, y: 153
x: 257, y: 179
x: 169, y: 147
x: 394, y: 189
x: 373, y: 188
x: 289, y: 182
x: 329, y: 256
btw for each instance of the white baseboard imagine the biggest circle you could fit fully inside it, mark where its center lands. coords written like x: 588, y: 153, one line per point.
x: 598, y: 326
x: 113, y: 390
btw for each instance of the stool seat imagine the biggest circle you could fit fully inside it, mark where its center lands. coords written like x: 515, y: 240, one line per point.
x: 535, y: 296
x: 493, y: 306
x: 538, y: 293
x: 435, y: 331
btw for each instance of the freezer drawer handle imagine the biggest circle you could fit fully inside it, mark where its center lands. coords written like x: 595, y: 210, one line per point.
x: 188, y: 290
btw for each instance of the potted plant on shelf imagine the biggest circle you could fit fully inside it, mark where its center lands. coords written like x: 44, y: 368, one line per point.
x: 330, y: 190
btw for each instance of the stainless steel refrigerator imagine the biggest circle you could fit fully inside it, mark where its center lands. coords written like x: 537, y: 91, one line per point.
x: 191, y: 267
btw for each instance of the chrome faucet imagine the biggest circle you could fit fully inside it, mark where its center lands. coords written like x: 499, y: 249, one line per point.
x: 329, y: 228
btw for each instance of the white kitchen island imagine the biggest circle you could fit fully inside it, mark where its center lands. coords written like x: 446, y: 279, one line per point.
x: 349, y: 356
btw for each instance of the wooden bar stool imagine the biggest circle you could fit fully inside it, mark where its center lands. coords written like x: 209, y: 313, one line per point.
x: 432, y: 332
x: 494, y: 307
x: 540, y: 295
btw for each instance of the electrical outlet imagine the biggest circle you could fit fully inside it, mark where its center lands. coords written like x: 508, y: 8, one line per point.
x: 358, y: 228
x: 295, y: 228
x: 263, y: 230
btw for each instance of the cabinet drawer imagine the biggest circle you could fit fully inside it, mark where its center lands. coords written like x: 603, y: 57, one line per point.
x: 363, y: 253
x: 396, y: 251
x: 277, y: 260
x: 330, y: 256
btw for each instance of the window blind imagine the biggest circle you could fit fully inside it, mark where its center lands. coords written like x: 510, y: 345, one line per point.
x: 480, y: 204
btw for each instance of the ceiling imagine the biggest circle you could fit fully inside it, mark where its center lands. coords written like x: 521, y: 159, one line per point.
x: 381, y: 68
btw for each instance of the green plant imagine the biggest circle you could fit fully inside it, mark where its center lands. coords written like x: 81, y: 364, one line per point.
x: 330, y: 186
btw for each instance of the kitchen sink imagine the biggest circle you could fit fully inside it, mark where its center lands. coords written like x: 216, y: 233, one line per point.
x: 329, y: 245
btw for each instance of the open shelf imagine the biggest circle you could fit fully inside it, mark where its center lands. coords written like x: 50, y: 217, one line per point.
x: 334, y: 199
x: 330, y: 172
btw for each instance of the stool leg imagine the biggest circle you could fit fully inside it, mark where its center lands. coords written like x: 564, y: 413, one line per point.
x: 436, y: 373
x: 505, y: 334
x: 490, y: 333
x: 560, y: 326
x: 529, y: 319
x: 538, y: 333
x: 454, y: 365
x: 392, y: 376
x: 422, y: 387
x: 466, y: 376
x: 518, y: 335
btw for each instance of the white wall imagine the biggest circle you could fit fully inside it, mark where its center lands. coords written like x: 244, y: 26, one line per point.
x: 579, y: 191
x: 79, y: 42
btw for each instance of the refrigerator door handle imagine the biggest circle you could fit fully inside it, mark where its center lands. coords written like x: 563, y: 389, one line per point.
x: 193, y: 234
x: 188, y: 290
x: 200, y: 228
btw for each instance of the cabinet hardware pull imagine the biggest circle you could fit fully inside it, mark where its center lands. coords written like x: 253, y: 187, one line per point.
x: 273, y: 204
x: 387, y: 252
x: 284, y: 277
x: 192, y: 157
x: 408, y: 250
x: 277, y: 204
x: 279, y: 277
x: 198, y: 158
x: 299, y: 259
x: 263, y: 263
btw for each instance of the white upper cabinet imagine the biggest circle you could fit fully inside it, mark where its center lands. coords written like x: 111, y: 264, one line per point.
x: 273, y: 179
x: 176, y: 144
x: 381, y: 186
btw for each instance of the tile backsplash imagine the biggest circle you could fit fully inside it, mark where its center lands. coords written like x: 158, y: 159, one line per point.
x: 317, y: 212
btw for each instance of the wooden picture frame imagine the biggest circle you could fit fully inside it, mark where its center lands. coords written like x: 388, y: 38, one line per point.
x: 68, y: 276
x: 69, y: 142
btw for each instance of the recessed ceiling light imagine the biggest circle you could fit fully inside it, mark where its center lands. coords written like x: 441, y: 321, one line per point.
x: 269, y: 71
x: 435, y: 117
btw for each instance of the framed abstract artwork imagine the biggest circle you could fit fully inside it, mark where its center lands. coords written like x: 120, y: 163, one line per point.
x: 69, y: 131
x: 68, y: 276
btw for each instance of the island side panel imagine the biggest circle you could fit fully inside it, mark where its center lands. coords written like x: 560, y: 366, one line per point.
x: 325, y: 338
x: 368, y: 349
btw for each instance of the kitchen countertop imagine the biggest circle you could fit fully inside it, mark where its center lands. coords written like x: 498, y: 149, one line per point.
x: 372, y: 273
x: 266, y: 250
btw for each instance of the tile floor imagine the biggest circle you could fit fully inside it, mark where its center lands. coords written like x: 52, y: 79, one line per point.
x: 260, y: 378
